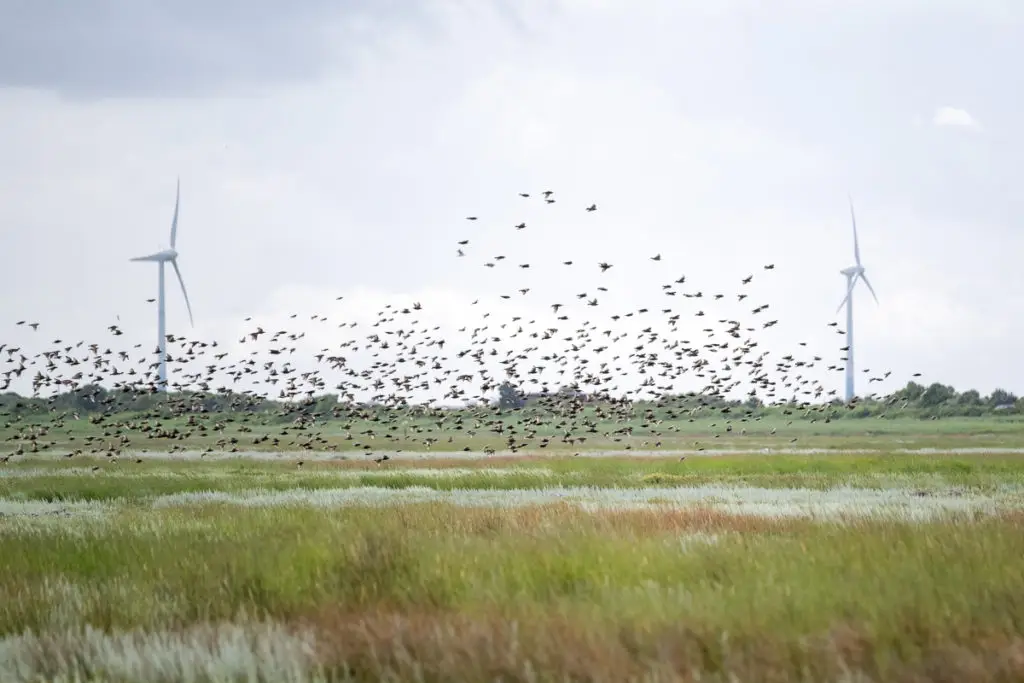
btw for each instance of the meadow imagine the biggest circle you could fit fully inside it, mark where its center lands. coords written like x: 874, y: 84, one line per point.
x: 895, y: 555
x: 465, y: 431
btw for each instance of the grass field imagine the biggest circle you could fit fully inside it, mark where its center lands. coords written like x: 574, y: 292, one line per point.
x: 227, y: 434
x: 888, y: 565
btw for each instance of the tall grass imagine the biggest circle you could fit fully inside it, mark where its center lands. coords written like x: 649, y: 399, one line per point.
x: 437, y: 592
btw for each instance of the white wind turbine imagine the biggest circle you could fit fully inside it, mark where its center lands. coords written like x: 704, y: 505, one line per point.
x: 161, y: 258
x: 853, y: 274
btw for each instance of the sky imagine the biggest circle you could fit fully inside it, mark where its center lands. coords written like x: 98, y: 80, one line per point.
x: 335, y: 149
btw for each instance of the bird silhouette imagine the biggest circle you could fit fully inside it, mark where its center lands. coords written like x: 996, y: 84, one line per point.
x: 590, y: 370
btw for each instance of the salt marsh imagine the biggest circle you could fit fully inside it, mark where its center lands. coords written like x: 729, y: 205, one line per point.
x: 832, y: 503
x: 599, y: 569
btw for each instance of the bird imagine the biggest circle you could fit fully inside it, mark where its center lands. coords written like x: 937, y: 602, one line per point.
x: 590, y: 368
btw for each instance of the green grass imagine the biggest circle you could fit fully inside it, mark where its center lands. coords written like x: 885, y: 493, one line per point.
x: 126, y: 480
x: 206, y: 591
x: 222, y: 432
x: 596, y: 596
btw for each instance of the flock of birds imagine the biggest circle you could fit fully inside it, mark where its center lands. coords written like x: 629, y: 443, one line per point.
x: 587, y: 374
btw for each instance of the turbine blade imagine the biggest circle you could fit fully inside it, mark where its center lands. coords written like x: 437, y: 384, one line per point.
x: 152, y: 257
x: 174, y: 221
x: 177, y: 271
x: 849, y: 293
x: 870, y: 288
x: 856, y: 246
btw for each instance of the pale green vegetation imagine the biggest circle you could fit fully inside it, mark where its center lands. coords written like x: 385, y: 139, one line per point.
x: 435, y: 592
x: 465, y: 432
x: 127, y: 479
x: 856, y: 567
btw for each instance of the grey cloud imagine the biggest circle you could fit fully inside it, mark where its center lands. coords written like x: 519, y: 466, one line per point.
x: 170, y: 48
x: 717, y: 139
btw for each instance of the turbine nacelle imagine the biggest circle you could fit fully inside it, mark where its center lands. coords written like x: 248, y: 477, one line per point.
x: 159, y: 257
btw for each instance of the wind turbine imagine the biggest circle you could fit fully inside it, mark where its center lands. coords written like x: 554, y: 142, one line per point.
x: 162, y: 258
x: 853, y: 274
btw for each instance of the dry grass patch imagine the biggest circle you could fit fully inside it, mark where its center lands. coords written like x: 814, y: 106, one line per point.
x: 488, y: 646
x: 332, y: 643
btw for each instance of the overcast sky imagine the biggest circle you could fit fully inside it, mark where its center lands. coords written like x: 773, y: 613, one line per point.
x: 333, y: 149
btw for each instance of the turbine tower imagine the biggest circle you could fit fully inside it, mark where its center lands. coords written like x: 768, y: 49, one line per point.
x: 853, y: 274
x: 162, y: 258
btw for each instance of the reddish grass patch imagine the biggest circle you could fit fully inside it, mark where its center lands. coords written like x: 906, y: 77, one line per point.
x: 429, y: 462
x: 563, y: 515
x: 693, y: 518
x: 484, y: 462
x: 482, y: 645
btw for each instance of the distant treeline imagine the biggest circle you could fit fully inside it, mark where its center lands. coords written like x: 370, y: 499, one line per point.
x: 914, y: 400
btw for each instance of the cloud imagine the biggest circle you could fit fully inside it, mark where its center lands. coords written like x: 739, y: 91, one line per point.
x: 951, y: 116
x: 169, y: 48
x: 348, y: 172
